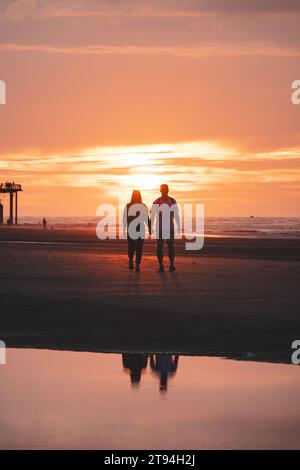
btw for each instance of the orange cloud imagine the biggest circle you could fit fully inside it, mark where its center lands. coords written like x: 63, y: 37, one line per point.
x: 227, y: 50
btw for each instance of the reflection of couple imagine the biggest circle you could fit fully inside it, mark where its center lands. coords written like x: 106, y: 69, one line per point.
x: 164, y: 365
x: 135, y: 363
x: 165, y: 232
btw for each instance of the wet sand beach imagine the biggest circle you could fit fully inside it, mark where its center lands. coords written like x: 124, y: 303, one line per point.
x: 65, y: 289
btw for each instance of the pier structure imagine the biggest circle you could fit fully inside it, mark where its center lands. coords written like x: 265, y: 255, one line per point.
x: 12, y: 189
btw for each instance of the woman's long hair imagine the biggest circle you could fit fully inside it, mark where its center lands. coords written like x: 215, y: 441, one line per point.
x: 136, y: 197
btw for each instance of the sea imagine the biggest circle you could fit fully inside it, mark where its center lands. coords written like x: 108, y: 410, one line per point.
x: 248, y: 227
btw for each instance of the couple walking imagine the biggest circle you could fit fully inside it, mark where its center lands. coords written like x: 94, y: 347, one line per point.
x: 160, y: 219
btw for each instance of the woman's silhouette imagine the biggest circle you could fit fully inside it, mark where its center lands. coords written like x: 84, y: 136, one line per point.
x: 135, y: 244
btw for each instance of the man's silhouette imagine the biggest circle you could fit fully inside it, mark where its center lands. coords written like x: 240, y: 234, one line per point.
x: 164, y: 210
x: 165, y: 366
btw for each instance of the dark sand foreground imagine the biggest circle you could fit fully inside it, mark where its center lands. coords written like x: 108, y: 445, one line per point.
x: 67, y: 290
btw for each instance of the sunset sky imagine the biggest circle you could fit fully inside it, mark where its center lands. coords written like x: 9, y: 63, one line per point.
x: 108, y: 96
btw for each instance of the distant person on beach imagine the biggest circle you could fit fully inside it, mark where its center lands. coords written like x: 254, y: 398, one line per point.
x: 135, y: 244
x: 165, y: 230
x: 165, y: 366
x: 44, y: 223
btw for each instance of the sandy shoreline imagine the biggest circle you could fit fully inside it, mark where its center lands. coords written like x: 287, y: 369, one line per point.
x: 226, y: 247
x: 236, y: 297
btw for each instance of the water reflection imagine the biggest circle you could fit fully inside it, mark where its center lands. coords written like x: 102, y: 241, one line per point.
x: 135, y: 364
x: 214, y: 404
x: 163, y: 366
